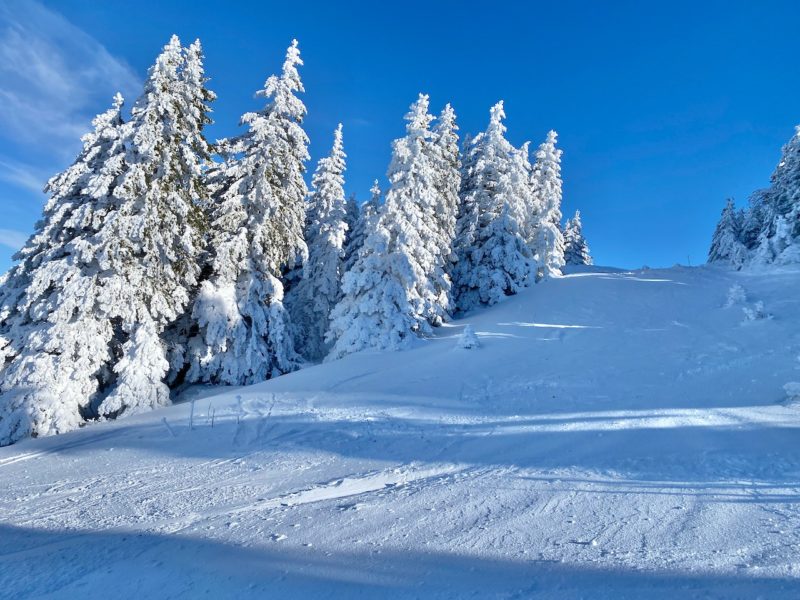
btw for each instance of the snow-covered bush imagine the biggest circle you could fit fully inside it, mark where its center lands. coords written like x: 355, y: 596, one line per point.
x: 736, y: 295
x: 756, y: 312
x: 468, y: 340
x: 792, y: 390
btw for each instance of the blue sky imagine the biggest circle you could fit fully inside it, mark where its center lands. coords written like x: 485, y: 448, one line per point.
x: 663, y: 109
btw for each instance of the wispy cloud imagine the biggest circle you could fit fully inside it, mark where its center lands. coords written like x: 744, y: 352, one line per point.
x: 23, y: 176
x: 12, y: 239
x: 53, y: 76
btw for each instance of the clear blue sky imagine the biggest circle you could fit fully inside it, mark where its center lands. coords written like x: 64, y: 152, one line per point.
x: 663, y: 109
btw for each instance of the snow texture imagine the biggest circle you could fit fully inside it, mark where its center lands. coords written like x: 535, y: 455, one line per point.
x: 617, y: 435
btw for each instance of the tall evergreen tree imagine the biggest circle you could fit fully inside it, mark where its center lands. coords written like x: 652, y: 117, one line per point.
x: 312, y: 300
x: 726, y: 246
x: 351, y: 215
x: 779, y: 207
x: 548, y: 243
x: 56, y: 353
x: 576, y: 250
x: 257, y: 226
x: 415, y: 198
x: 528, y: 210
x: 446, y: 161
x: 768, y: 231
x: 155, y: 238
x: 380, y: 306
x: 398, y: 286
x: 113, y: 261
x: 786, y: 183
x: 367, y: 213
x: 493, y: 259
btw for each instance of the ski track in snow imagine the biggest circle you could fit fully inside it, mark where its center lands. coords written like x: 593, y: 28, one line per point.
x: 607, y: 440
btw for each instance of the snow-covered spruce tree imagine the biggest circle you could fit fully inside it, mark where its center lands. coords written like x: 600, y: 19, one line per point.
x: 548, y: 242
x: 493, y: 259
x: 726, y: 246
x: 754, y: 219
x: 312, y: 300
x: 779, y: 209
x: 446, y: 161
x: 380, y: 306
x: 153, y: 241
x: 351, y: 214
x: 197, y: 99
x: 528, y: 210
x: 413, y: 177
x: 786, y: 182
x: 576, y: 250
x: 256, y: 233
x: 397, y: 287
x: 56, y: 347
x: 112, y: 262
x: 367, y: 213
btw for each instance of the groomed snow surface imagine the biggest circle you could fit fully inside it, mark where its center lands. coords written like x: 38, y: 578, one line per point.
x: 614, y: 435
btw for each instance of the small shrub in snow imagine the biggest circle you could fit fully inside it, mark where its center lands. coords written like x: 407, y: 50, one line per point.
x: 755, y: 313
x: 792, y: 390
x: 736, y: 295
x: 468, y: 340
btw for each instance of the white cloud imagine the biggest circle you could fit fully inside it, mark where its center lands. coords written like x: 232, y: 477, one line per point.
x: 13, y: 239
x: 23, y: 176
x: 53, y: 77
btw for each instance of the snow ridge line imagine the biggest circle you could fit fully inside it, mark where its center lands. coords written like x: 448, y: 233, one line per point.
x: 331, y: 490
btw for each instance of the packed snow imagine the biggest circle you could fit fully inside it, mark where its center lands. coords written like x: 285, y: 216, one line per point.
x: 612, y: 435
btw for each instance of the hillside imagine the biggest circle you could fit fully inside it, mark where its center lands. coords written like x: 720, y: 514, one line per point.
x: 616, y: 435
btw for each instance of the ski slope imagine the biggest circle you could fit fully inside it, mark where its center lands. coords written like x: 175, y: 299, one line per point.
x: 616, y: 435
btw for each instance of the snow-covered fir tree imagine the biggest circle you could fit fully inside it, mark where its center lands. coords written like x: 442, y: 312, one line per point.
x: 494, y: 260
x: 154, y: 240
x: 351, y: 214
x: 380, y: 307
x: 445, y: 157
x: 769, y: 230
x: 56, y: 352
x: 548, y: 241
x: 113, y: 261
x: 314, y: 297
x: 413, y: 192
x: 726, y: 246
x: 197, y: 98
x: 780, y: 225
x: 528, y: 210
x: 367, y: 213
x: 397, y: 287
x: 256, y: 229
x: 576, y: 250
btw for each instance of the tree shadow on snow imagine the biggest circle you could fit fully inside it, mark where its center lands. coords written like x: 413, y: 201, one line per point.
x: 117, y: 564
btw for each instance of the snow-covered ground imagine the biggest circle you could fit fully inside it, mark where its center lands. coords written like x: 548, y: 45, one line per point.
x: 616, y: 435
